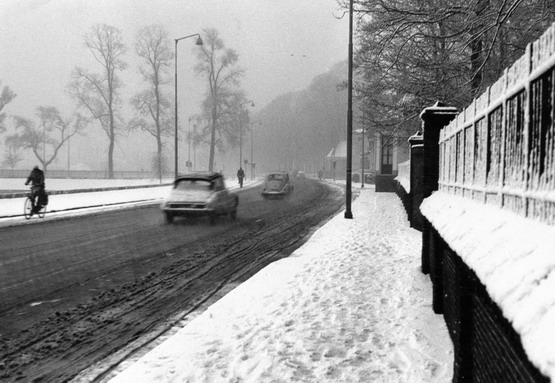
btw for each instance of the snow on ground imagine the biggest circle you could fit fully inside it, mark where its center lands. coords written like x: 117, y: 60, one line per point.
x: 351, y: 305
x: 513, y: 257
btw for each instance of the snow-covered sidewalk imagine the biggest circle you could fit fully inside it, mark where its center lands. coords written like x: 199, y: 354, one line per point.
x: 351, y: 305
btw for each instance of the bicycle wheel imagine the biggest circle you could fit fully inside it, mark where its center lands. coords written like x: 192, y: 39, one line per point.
x: 42, y: 212
x: 28, y: 208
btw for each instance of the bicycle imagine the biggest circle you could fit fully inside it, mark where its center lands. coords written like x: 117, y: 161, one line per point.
x: 28, y: 207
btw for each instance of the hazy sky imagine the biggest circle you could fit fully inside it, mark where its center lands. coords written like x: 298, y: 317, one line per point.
x: 41, y: 41
x: 282, y: 45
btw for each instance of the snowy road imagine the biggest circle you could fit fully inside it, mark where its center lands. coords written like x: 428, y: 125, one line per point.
x: 123, y: 276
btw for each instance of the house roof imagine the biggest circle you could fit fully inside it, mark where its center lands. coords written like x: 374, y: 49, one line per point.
x: 340, y: 150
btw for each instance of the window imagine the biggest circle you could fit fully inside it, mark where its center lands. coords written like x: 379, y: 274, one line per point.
x: 193, y: 184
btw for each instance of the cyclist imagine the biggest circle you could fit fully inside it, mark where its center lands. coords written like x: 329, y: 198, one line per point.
x: 36, y: 178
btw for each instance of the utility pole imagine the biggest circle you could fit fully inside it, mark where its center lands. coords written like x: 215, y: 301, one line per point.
x: 252, y: 152
x: 349, y: 170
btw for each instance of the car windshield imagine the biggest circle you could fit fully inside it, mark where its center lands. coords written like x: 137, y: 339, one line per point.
x: 275, y: 177
x: 193, y: 184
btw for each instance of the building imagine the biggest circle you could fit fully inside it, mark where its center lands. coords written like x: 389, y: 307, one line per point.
x: 381, y: 158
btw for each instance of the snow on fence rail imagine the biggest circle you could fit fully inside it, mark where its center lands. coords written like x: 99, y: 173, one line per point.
x: 501, y: 148
x: 403, y: 175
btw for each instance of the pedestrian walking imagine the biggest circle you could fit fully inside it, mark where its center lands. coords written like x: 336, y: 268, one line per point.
x: 240, y: 176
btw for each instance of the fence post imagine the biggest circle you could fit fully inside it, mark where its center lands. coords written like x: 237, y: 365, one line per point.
x: 416, y: 180
x: 434, y: 118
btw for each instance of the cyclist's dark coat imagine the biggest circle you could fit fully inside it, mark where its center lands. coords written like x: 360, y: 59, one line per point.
x: 36, y: 178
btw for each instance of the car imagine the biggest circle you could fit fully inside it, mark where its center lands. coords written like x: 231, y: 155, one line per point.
x: 200, y: 194
x: 277, y: 185
x: 301, y: 175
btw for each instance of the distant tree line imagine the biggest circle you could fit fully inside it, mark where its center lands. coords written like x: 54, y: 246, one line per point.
x: 296, y: 130
x: 98, y: 98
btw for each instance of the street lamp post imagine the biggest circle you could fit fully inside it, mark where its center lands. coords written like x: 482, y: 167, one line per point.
x: 252, y: 154
x: 362, y: 154
x: 199, y: 42
x: 241, y: 135
x: 349, y: 170
x: 189, y: 164
x: 252, y: 150
x: 194, y: 146
x: 44, y: 143
x: 68, y: 157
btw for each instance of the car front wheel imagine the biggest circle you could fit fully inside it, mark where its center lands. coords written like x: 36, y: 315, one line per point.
x: 168, y: 217
x: 233, y: 211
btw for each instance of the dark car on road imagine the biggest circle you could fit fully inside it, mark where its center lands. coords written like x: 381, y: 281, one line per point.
x: 200, y: 194
x: 277, y: 185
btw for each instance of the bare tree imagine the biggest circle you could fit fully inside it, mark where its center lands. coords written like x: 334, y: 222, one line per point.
x: 219, y: 65
x: 232, y: 121
x: 413, y: 52
x: 153, y: 104
x: 158, y: 161
x: 99, y: 93
x: 12, y: 156
x: 47, y: 137
x: 5, y: 98
x: 296, y: 130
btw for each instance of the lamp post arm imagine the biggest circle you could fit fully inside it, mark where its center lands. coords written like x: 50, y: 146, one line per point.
x: 186, y: 37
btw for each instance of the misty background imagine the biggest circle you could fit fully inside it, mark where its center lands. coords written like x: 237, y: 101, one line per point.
x: 293, y: 56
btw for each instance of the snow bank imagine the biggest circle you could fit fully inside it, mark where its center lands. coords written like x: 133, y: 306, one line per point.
x: 514, y: 258
x: 72, y: 183
x: 12, y: 207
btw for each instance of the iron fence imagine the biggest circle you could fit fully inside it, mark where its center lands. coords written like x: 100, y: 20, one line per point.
x: 501, y: 149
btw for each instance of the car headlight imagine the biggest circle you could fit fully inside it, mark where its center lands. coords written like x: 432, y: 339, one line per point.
x: 211, y: 201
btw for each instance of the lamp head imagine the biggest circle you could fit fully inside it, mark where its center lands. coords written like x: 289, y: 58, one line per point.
x: 199, y: 41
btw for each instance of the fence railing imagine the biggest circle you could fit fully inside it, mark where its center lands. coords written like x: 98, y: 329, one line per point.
x: 501, y: 148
